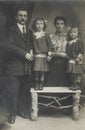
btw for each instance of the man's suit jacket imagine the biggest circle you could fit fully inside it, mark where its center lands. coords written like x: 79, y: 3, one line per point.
x: 17, y: 47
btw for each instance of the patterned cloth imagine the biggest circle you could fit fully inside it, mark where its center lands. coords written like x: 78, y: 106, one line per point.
x: 58, y: 42
x: 40, y: 63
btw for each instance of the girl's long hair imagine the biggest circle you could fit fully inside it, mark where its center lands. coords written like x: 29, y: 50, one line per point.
x: 33, y: 26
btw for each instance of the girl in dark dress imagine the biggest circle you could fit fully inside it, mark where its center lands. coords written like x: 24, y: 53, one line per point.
x: 75, y: 51
x: 41, y: 50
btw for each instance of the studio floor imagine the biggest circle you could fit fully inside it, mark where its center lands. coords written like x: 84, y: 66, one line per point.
x: 49, y: 121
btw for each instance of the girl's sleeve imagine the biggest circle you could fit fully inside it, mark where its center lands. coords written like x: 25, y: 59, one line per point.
x: 67, y: 49
x: 31, y: 40
x: 81, y: 49
x: 49, y: 43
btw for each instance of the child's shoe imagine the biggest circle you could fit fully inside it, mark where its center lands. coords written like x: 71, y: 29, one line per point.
x: 71, y: 87
x: 41, y: 85
x: 37, y: 86
x: 76, y: 87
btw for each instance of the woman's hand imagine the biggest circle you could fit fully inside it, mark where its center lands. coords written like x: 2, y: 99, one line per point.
x: 77, y: 60
x: 64, y: 55
x: 49, y: 58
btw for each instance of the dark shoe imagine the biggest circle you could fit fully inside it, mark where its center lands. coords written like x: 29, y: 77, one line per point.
x: 76, y: 87
x: 11, y: 119
x: 22, y: 114
x: 37, y: 86
x: 41, y: 86
x: 71, y: 87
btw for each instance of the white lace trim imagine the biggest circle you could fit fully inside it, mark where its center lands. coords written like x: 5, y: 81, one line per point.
x: 39, y: 34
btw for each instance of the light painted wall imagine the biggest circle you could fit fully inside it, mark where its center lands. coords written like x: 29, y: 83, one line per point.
x: 73, y: 11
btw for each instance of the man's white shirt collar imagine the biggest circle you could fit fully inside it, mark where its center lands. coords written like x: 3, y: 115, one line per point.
x: 20, y: 26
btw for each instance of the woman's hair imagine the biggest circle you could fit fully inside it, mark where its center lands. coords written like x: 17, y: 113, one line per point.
x: 60, y: 18
x: 73, y: 27
x: 34, y: 23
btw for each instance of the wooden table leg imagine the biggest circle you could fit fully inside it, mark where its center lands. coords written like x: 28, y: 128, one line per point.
x: 34, y: 106
x: 75, y: 112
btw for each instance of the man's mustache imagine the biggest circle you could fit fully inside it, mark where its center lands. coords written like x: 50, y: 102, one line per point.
x: 22, y: 20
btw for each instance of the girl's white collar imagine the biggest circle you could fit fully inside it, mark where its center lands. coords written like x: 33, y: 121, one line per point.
x: 39, y: 34
x: 72, y: 41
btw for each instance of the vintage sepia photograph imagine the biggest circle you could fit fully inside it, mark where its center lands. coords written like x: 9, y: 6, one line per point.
x: 42, y: 64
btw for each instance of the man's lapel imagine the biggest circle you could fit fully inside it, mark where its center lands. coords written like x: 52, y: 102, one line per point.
x: 19, y: 33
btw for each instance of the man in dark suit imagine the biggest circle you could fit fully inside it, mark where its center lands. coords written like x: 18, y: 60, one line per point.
x: 18, y: 68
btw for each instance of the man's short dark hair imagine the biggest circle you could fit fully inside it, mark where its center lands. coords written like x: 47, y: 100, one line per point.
x: 21, y: 9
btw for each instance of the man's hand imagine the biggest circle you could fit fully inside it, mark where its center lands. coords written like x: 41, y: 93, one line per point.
x: 29, y: 57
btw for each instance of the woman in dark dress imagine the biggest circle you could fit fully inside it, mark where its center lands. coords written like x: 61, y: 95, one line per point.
x: 57, y: 75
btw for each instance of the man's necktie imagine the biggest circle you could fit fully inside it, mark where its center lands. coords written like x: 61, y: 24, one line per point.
x: 24, y: 31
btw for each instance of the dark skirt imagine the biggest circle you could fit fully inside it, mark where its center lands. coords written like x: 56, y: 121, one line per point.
x: 57, y: 75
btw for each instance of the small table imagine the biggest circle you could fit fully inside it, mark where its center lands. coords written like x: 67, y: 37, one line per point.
x: 54, y: 99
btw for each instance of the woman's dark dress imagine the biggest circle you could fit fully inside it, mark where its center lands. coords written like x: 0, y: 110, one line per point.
x: 57, y: 75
